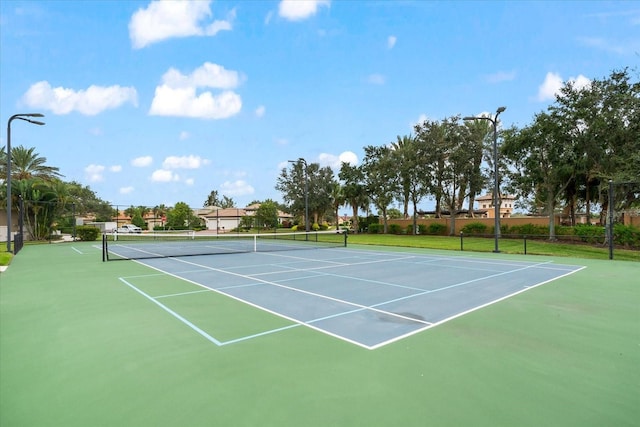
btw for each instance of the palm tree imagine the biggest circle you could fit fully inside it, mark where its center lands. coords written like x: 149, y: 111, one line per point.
x: 337, y: 199
x: 354, y: 190
x: 27, y: 164
x: 402, y: 150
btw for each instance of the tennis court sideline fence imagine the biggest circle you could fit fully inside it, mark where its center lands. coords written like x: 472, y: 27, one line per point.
x: 123, y: 246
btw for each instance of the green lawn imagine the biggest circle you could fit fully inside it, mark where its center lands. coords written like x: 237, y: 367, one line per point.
x: 80, y: 348
x: 509, y: 246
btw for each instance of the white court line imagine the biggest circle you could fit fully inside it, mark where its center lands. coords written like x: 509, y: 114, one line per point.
x: 181, y: 294
x: 197, y: 329
x: 358, y: 307
x: 473, y: 309
x: 173, y: 313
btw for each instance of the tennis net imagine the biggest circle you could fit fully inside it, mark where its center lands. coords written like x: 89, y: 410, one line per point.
x: 121, y: 246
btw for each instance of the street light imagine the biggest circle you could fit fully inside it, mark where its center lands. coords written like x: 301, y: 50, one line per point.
x: 26, y: 119
x: 496, y: 185
x: 306, y: 191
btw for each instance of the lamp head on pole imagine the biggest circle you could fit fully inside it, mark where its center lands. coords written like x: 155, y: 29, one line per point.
x: 500, y: 109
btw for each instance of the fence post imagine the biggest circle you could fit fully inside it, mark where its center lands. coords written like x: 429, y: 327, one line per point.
x: 461, y: 243
x: 525, y: 244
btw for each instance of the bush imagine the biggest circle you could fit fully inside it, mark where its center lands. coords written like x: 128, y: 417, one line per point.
x: 590, y: 233
x: 626, y: 235
x: 393, y: 228
x: 474, y: 228
x: 87, y: 233
x: 375, y: 228
x: 315, y: 226
x: 436, y: 228
x: 528, y: 230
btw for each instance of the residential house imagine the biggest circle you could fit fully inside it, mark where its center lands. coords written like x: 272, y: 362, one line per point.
x: 506, y: 205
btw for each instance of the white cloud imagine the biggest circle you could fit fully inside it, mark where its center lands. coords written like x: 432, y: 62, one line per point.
x: 376, y: 79
x: 335, y: 162
x: 236, y: 188
x: 391, y: 41
x: 184, y: 162
x: 189, y: 181
x: 92, y: 101
x: 162, y: 20
x: 162, y: 175
x: 94, y: 173
x: 141, y: 162
x: 260, y: 111
x: 501, y: 76
x: 184, y: 135
x: 552, y: 84
x: 207, y: 75
x: 126, y: 190
x: 115, y: 168
x: 298, y: 10
x: 178, y: 96
x: 348, y: 157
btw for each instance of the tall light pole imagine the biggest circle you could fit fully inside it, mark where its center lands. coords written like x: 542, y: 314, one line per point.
x: 306, y: 191
x: 496, y: 183
x: 24, y: 117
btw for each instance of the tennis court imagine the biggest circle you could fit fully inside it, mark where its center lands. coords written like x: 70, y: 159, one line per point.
x: 336, y: 336
x: 368, y: 298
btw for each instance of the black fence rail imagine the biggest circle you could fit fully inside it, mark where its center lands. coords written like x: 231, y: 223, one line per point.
x: 597, y: 240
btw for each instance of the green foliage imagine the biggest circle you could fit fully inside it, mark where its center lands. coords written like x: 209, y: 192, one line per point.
x: 395, y: 229
x: 267, y: 215
x: 246, y: 222
x: 626, y: 235
x: 590, y: 233
x: 436, y: 229
x: 393, y: 213
x: 474, y: 228
x: 315, y: 226
x: 214, y: 200
x: 87, y: 233
x: 375, y: 228
x: 528, y: 230
x: 137, y: 220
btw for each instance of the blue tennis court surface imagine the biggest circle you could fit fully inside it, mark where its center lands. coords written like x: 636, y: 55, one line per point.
x: 368, y: 298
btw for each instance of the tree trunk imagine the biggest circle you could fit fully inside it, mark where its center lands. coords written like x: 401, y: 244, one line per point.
x: 552, y: 220
x: 415, y: 218
x: 588, y: 202
x: 472, y: 201
x: 355, y: 219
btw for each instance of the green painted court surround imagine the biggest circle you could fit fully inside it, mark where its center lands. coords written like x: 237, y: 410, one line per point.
x: 80, y: 348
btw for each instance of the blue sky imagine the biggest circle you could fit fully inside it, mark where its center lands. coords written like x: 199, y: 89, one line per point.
x: 154, y: 103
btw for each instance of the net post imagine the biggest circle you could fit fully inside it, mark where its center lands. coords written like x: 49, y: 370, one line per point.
x: 104, y: 246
